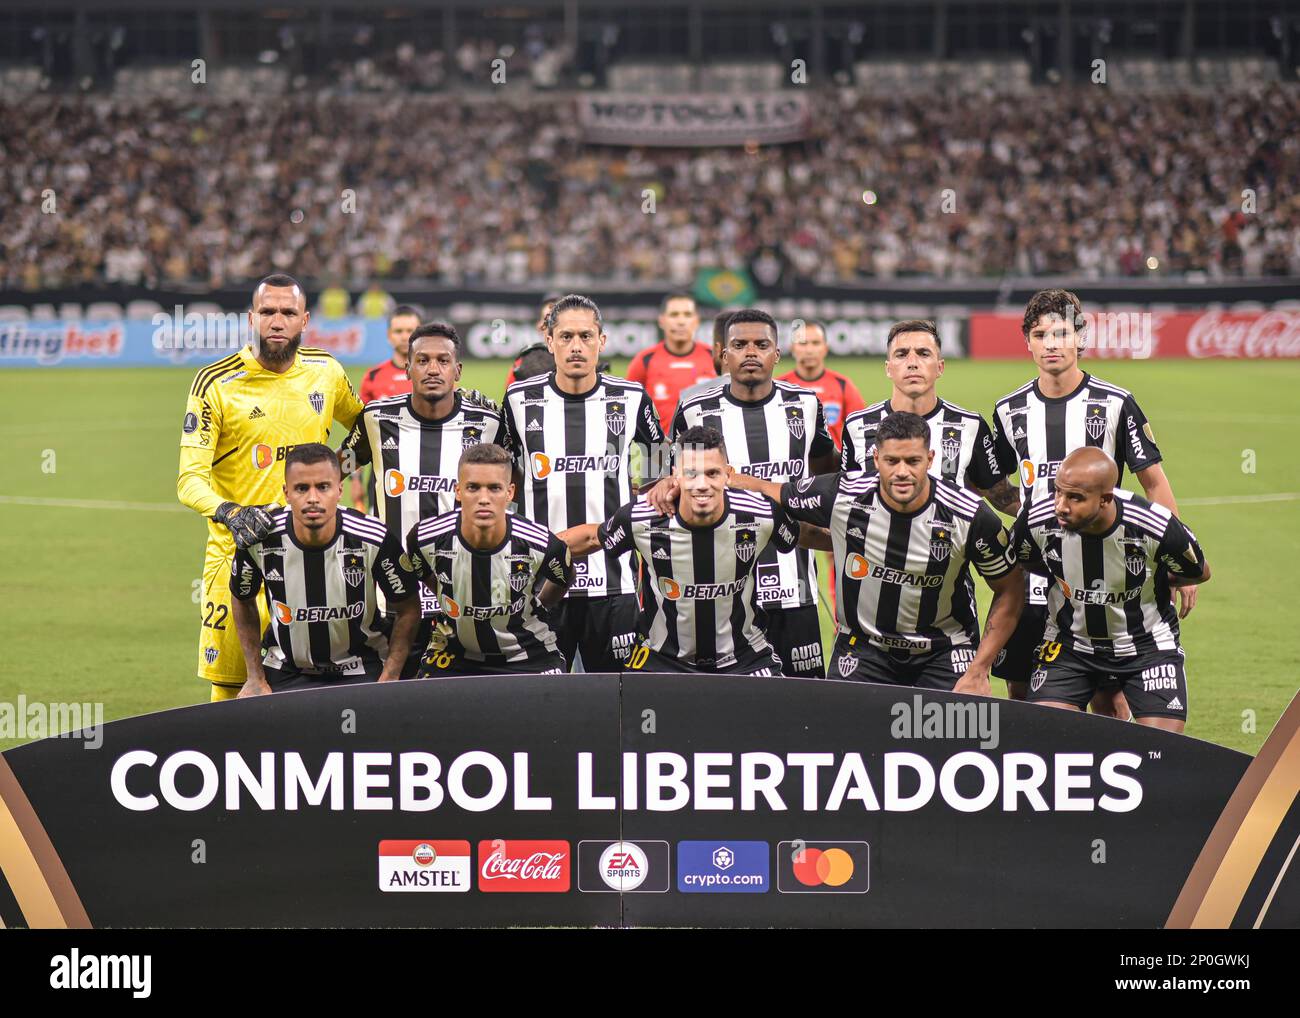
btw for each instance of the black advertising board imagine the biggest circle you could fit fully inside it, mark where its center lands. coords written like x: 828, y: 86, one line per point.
x: 640, y: 800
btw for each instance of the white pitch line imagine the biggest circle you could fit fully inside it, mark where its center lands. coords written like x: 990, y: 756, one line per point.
x: 1280, y: 496
x: 88, y: 503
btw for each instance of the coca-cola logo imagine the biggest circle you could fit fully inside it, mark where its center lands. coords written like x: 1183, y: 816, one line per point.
x: 524, y: 865
x: 1265, y: 335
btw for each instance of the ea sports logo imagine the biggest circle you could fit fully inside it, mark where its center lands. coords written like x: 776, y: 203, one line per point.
x: 815, y: 867
x: 671, y: 589
x: 424, y: 854
x: 263, y: 456
x: 857, y: 567
x: 282, y: 612
x: 394, y: 483
x: 450, y: 607
x: 623, y: 866
x: 541, y: 465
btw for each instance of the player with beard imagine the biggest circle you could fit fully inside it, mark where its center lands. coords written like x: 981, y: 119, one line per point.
x: 904, y: 542
x: 572, y: 433
x: 244, y: 413
x: 676, y: 363
x: 1038, y: 425
x: 776, y: 431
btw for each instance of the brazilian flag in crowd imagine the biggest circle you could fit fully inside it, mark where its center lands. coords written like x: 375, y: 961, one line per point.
x: 723, y: 287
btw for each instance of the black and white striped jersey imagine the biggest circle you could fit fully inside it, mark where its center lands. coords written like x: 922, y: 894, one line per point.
x: 1110, y: 596
x: 1033, y: 433
x: 490, y: 596
x: 574, y: 453
x: 325, y: 614
x: 774, y: 439
x: 962, y: 442
x: 700, y: 607
x: 902, y: 579
x: 416, y: 459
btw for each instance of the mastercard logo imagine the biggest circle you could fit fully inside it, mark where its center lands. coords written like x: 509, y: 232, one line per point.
x: 450, y: 607
x: 857, y: 567
x: 283, y: 612
x: 671, y: 589
x: 263, y: 456
x: 832, y: 867
x: 541, y: 465
x: 394, y: 483
x: 823, y: 867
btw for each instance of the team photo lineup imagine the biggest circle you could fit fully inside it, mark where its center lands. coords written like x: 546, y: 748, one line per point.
x: 703, y: 464
x: 532, y: 535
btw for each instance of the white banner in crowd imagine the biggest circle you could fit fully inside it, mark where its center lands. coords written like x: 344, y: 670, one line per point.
x: 613, y: 118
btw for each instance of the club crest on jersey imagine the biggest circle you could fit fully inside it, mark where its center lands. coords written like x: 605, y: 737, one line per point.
x: 317, y: 401
x: 794, y: 420
x: 1037, y: 679
x: 1095, y: 422
x: 940, y: 543
x: 470, y: 436
x: 950, y: 445
x: 848, y: 665
x: 1135, y: 564
x: 210, y: 654
x: 616, y: 417
x: 518, y: 576
x: 746, y: 547
x: 354, y: 570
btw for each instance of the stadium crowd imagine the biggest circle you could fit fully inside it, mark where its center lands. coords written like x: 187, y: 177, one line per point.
x: 1089, y: 182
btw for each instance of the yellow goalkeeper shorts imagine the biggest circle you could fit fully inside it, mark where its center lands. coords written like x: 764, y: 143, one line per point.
x: 221, y: 661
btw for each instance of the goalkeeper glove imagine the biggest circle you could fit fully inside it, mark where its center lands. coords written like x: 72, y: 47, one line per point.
x: 474, y: 398
x: 248, y: 523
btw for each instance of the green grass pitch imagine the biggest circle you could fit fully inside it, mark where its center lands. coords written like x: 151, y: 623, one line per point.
x: 97, y: 601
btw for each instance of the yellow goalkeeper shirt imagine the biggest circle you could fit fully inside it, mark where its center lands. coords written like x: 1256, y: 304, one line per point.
x: 241, y: 420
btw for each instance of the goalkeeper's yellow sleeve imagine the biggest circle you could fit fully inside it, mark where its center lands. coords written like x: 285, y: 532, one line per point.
x: 199, y: 436
x: 194, y: 484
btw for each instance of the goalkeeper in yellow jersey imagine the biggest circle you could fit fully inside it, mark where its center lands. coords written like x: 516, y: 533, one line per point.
x: 244, y: 413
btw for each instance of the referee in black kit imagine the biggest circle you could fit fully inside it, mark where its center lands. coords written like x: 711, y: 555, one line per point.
x: 321, y: 567
x: 1113, y: 558
x: 903, y: 542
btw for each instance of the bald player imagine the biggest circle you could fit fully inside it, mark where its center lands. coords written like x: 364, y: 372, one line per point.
x: 1112, y: 559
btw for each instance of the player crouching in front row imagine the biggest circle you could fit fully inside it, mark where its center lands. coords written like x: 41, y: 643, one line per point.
x: 1113, y: 559
x: 320, y: 566
x: 497, y: 577
x: 700, y: 614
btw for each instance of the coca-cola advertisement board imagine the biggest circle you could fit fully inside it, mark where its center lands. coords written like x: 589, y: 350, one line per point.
x: 1141, y: 335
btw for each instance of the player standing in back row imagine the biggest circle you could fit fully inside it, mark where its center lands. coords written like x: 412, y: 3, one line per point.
x: 572, y: 433
x: 243, y: 415
x: 963, y: 444
x: 1038, y: 425
x: 775, y: 431
x: 415, y: 443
